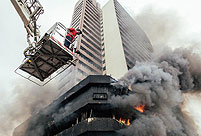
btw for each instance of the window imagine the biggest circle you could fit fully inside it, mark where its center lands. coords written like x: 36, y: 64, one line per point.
x: 94, y: 45
x: 89, y: 35
x: 104, y: 68
x: 97, y: 25
x: 92, y: 49
x: 88, y: 67
x: 89, y: 30
x: 89, y: 53
x: 90, y: 61
x: 95, y: 28
x: 89, y: 8
x: 92, y: 5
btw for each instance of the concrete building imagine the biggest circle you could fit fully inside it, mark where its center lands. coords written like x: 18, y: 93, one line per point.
x: 84, y: 110
x: 87, y: 16
x: 111, y: 42
x: 124, y: 41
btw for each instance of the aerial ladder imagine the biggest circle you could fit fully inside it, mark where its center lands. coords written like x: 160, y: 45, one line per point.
x: 45, y: 57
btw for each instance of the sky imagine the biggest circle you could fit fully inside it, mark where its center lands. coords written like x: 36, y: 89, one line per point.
x: 13, y: 34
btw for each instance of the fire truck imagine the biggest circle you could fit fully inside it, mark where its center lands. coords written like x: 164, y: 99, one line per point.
x: 46, y: 56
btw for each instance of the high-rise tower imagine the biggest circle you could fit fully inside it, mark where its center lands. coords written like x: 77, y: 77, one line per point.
x: 111, y: 42
x: 87, y: 16
x: 125, y: 42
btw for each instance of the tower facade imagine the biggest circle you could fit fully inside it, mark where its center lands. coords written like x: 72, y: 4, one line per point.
x: 87, y: 16
x: 124, y: 41
x: 110, y: 44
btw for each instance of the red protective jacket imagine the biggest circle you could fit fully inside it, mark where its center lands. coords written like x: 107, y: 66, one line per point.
x: 72, y: 34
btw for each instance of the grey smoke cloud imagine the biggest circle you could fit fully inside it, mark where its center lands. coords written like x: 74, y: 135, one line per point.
x: 191, y: 107
x: 188, y: 63
x: 159, y: 25
x: 150, y: 123
x: 62, y: 113
x: 159, y: 86
x: 166, y: 27
x: 27, y: 99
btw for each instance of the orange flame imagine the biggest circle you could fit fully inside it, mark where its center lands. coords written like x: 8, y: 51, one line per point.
x: 128, y: 122
x: 140, y: 108
x: 125, y: 122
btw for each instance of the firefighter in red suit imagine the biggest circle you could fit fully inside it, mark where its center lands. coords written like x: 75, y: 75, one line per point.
x: 71, y: 35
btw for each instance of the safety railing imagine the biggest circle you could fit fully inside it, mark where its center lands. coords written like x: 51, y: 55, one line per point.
x: 58, y: 31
